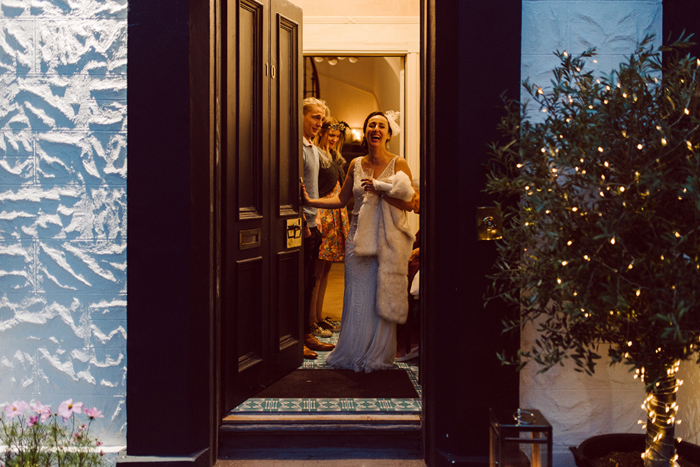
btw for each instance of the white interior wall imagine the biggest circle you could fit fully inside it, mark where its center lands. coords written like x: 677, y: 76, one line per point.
x: 387, y: 85
x: 347, y: 103
x: 347, y: 89
x: 386, y: 82
x: 394, y: 8
x: 353, y: 90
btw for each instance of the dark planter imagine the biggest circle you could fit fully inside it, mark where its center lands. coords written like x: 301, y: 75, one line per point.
x: 598, y: 446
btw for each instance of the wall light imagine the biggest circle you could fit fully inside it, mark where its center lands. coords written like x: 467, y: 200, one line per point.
x: 334, y: 60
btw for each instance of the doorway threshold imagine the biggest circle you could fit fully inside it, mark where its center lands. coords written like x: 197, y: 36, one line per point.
x: 257, y: 406
x: 325, y: 428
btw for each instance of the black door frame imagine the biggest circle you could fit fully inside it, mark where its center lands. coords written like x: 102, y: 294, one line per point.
x: 173, y: 385
x: 471, y: 55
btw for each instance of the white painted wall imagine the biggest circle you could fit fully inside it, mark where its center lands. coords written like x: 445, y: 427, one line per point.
x: 360, y: 7
x: 576, y: 405
x: 347, y: 88
x: 387, y: 83
x: 353, y: 90
x: 63, y: 205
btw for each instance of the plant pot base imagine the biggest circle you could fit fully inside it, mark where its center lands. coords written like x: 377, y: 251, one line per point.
x: 591, y: 450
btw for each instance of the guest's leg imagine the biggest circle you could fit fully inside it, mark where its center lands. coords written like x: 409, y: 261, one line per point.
x: 311, y: 246
x: 323, y: 269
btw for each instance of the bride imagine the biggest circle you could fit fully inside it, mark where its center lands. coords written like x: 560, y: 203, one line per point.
x: 367, y: 338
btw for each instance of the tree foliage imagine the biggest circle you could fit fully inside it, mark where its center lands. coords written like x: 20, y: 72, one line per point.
x: 603, y: 244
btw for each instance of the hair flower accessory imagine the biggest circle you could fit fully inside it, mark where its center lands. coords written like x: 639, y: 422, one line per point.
x: 341, y: 126
x: 392, y: 116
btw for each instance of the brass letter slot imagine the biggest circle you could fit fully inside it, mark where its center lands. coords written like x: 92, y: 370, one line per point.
x: 293, y: 233
x: 249, y: 239
x: 488, y: 223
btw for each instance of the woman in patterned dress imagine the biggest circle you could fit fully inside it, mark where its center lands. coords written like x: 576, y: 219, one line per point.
x: 332, y: 223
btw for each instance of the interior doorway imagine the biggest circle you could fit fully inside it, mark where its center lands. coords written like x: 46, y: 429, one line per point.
x: 353, y: 86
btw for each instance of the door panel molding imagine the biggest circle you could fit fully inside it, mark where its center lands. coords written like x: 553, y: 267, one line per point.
x: 287, y: 82
x: 249, y: 98
x: 249, y: 283
x: 260, y: 277
x: 248, y: 361
x: 288, y: 263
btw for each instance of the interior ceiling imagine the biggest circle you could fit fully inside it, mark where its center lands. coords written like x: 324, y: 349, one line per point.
x: 359, y: 74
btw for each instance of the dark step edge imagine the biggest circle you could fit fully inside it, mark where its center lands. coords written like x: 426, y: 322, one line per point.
x: 348, y: 417
x: 298, y: 427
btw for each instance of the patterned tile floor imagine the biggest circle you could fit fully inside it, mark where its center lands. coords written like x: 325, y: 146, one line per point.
x: 405, y: 406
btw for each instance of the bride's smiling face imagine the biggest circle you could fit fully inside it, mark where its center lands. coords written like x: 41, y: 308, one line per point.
x: 377, y: 131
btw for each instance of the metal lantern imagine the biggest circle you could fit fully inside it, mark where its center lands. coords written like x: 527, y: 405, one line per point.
x: 516, y: 439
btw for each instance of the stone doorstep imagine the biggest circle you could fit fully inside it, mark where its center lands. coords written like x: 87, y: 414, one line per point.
x: 319, y: 436
x: 341, y: 421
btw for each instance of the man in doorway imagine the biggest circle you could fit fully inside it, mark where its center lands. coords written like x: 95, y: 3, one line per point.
x: 314, y: 110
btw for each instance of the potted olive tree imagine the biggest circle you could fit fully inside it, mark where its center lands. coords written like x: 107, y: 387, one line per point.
x: 602, y: 242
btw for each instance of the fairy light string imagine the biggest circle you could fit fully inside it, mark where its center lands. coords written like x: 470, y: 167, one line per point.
x: 661, y: 408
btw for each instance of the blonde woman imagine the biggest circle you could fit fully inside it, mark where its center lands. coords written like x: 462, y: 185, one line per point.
x: 332, y: 223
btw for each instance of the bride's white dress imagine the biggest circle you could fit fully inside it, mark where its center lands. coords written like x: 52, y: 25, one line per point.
x: 366, y: 342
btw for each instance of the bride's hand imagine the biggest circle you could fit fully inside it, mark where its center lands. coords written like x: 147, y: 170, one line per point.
x: 368, y: 185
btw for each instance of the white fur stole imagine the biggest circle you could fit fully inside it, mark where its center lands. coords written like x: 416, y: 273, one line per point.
x: 383, y: 231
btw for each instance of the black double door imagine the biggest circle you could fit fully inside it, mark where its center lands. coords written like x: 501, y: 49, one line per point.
x: 261, y: 274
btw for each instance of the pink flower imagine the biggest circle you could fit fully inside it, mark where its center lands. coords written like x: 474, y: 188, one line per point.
x: 43, y: 410
x: 45, y: 413
x: 32, y: 421
x: 15, y: 409
x: 99, y: 443
x: 67, y: 408
x: 93, y: 413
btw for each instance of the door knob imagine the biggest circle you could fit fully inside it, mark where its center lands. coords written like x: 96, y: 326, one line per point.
x: 489, y: 225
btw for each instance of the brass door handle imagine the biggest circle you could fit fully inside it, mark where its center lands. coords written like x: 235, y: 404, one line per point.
x: 488, y: 223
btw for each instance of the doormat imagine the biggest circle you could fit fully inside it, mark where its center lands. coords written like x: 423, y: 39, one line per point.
x: 321, y: 384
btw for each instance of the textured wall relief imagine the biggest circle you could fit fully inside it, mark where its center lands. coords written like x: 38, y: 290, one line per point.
x: 63, y: 205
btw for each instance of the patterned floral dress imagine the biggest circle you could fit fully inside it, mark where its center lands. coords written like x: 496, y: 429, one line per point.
x: 334, y: 228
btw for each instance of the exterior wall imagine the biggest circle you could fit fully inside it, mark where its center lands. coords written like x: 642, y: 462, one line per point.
x: 63, y: 205
x: 579, y: 406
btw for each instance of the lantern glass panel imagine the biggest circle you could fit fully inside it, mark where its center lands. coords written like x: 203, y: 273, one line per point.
x: 522, y: 438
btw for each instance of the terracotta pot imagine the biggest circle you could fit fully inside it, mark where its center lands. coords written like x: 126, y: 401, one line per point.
x: 598, y: 446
